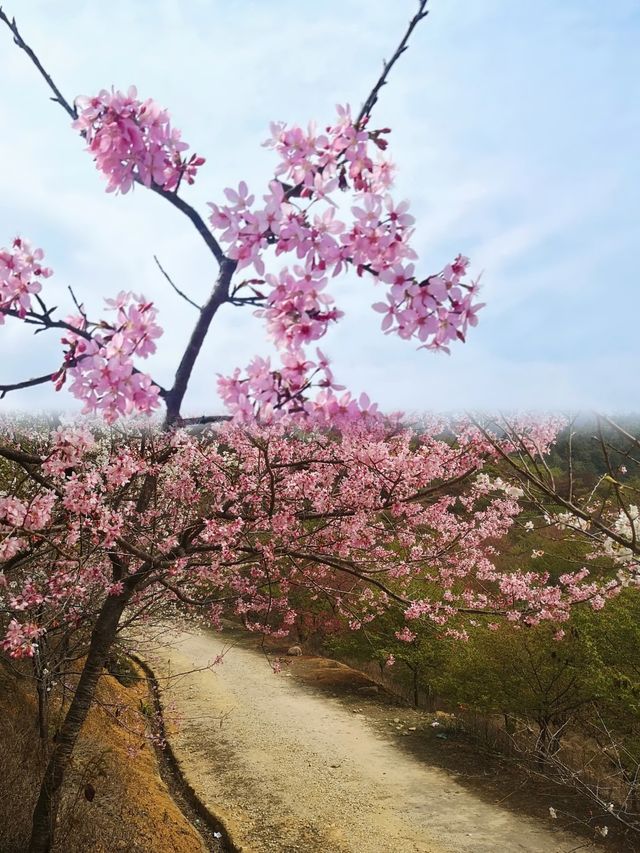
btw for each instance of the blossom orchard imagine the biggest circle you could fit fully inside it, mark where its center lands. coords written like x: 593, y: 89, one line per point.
x: 255, y: 521
x: 259, y: 521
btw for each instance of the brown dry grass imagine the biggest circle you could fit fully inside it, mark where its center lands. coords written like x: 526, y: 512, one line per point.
x: 131, y: 810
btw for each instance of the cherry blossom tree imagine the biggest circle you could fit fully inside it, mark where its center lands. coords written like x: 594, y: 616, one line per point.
x: 308, y: 487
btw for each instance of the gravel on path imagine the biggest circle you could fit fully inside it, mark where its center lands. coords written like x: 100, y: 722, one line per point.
x: 289, y: 769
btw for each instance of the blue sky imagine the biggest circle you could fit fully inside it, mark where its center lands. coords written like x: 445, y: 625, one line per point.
x: 515, y: 132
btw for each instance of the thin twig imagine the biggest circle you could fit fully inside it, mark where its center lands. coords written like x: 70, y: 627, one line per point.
x: 174, y: 286
x: 79, y: 305
x: 58, y: 96
x: 372, y: 98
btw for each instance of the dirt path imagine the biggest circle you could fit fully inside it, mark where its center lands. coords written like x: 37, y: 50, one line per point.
x: 290, y: 769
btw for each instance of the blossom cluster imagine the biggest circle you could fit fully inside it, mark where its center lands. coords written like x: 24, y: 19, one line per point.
x: 100, y: 365
x: 627, y: 526
x: 98, y: 356
x: 282, y: 394
x: 68, y: 448
x: 302, y: 215
x: 19, y: 517
x: 298, y: 309
x: 21, y: 270
x: 19, y: 640
x: 30, y: 515
x: 133, y: 140
x: 484, y: 484
x: 420, y: 308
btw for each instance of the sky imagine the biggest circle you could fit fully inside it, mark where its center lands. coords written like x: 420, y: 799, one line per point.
x: 515, y: 135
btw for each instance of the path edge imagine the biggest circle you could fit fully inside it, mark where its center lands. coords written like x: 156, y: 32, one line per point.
x: 167, y: 754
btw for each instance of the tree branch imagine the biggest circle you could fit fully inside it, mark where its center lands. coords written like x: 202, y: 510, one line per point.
x: 174, y: 286
x: 171, y: 197
x: 348, y: 567
x: 58, y: 97
x: 219, y: 296
x: 372, y: 98
x: 29, y: 463
x: 28, y: 383
x: 20, y: 456
x: 526, y: 475
x: 197, y: 221
x: 45, y: 322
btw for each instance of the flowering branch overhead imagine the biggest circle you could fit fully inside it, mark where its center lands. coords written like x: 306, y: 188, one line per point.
x: 133, y: 141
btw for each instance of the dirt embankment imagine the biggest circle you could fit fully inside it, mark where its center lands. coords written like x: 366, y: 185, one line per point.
x: 113, y: 799
x: 291, y: 768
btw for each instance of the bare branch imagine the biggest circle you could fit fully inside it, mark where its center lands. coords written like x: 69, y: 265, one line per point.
x: 174, y: 286
x: 635, y: 441
x: 616, y: 487
x: 32, y: 318
x: 28, y: 383
x: 372, y: 98
x: 78, y: 305
x: 58, y: 97
x: 20, y: 456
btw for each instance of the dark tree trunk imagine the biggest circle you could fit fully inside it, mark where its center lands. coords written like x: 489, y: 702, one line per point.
x: 43, y: 710
x: 62, y: 669
x: 102, y: 637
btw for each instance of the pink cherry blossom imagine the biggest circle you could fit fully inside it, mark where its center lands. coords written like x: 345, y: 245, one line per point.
x: 328, y: 207
x: 101, y: 369
x: 21, y: 274
x: 133, y: 140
